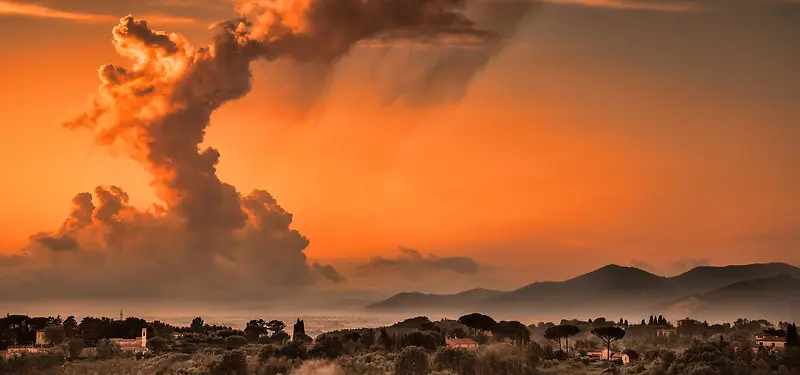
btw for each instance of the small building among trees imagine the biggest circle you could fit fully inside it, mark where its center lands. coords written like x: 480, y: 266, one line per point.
x: 461, y: 343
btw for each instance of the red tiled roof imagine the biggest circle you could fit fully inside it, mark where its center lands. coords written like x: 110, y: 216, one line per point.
x: 461, y: 341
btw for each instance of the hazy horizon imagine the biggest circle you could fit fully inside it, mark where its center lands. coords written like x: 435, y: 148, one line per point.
x: 350, y: 309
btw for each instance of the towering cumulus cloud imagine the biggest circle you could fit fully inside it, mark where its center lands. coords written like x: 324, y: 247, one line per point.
x: 206, y: 239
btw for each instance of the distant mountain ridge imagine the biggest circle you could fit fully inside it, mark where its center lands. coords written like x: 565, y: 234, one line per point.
x: 752, y: 298
x: 413, y: 299
x: 717, y: 277
x: 615, y: 290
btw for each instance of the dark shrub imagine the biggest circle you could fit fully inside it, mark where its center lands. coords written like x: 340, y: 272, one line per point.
x: 412, y: 360
x: 232, y: 363
x: 234, y: 342
x: 157, y: 345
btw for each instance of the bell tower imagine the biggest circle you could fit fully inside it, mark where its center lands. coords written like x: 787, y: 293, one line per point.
x: 144, y: 337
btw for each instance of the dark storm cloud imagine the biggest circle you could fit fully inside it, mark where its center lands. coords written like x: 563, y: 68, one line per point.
x: 57, y: 243
x: 327, y: 271
x: 412, y: 260
x: 445, y: 76
x: 208, y: 240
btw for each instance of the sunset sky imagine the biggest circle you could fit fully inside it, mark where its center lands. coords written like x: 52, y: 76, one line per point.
x: 660, y: 134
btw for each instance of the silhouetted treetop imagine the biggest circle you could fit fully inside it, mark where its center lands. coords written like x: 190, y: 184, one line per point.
x: 478, y: 321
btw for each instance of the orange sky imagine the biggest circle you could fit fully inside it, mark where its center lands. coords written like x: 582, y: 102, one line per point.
x: 655, y: 137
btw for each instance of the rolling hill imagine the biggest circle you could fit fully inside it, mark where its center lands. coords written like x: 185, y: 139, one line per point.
x: 705, y: 279
x: 776, y: 298
x: 614, y: 290
x: 602, y: 291
x: 415, y: 301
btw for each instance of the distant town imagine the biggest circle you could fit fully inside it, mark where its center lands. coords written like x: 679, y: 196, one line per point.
x: 473, y: 344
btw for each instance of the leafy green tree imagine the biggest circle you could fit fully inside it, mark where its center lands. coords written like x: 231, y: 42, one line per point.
x: 107, y: 349
x: 328, y: 346
x: 275, y: 326
x: 460, y: 360
x: 88, y: 330
x: 4, y: 341
x: 385, y: 340
x: 302, y: 338
x: 478, y: 321
x: 255, y: 329
x: 70, y: 327
x: 505, y: 361
x: 368, y: 338
x: 775, y: 332
x: 75, y: 347
x: 566, y: 331
x: 412, y: 361
x: 553, y: 334
x: 427, y: 340
x: 533, y: 354
x: 708, y: 358
x: 792, y: 339
x: 234, y: 342
x: 197, y: 325
x: 232, y: 363
x: 609, y: 335
x: 280, y: 337
x: 161, y: 329
x: 458, y: 332
x: 54, y: 334
x: 290, y: 350
x: 299, y: 328
x: 157, y: 345
x: 513, y: 330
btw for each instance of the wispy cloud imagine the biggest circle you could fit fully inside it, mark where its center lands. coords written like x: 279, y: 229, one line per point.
x: 410, y: 261
x: 9, y: 8
x: 161, y: 19
x: 662, y: 6
x: 197, y: 4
